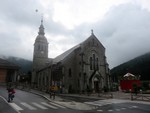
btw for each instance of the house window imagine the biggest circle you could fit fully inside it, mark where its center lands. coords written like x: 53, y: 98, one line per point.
x: 70, y: 73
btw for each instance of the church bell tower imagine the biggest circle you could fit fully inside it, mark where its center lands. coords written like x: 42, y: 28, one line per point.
x: 40, y: 54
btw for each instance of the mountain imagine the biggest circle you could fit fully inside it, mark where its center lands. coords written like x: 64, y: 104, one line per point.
x: 25, y: 65
x: 139, y: 66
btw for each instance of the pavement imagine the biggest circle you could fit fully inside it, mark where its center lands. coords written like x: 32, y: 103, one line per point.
x: 111, y: 97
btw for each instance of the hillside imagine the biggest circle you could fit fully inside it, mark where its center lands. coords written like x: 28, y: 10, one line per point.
x: 138, y: 66
x: 24, y: 64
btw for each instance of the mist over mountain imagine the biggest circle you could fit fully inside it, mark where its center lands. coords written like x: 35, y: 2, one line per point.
x: 139, y: 66
x: 25, y: 65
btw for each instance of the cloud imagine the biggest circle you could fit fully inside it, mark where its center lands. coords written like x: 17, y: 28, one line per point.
x: 125, y: 32
x: 122, y: 27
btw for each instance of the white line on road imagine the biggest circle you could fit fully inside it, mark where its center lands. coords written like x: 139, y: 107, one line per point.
x: 100, y: 110
x: 28, y: 106
x: 57, y: 105
x: 110, y: 110
x: 15, y: 106
x: 44, y: 103
x: 38, y: 105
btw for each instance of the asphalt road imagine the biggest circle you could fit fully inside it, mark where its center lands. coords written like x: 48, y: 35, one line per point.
x: 26, y: 102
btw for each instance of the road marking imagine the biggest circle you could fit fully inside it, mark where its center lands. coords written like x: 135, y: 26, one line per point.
x: 110, y: 110
x: 117, y: 109
x: 100, y: 110
x: 123, y: 108
x: 97, y: 103
x: 38, y: 105
x: 44, y: 103
x: 15, y: 106
x: 57, y: 105
x: 134, y: 106
x: 28, y: 106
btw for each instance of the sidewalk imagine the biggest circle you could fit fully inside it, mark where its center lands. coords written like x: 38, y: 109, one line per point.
x: 110, y: 95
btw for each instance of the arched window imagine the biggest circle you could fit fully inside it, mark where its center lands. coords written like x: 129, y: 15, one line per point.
x: 91, y: 67
x: 94, y: 61
x: 97, y: 67
x: 70, y: 73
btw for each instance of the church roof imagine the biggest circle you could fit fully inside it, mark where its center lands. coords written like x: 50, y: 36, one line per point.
x: 65, y: 54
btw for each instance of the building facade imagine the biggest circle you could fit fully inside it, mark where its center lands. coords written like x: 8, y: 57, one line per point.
x: 8, y: 72
x: 80, y: 68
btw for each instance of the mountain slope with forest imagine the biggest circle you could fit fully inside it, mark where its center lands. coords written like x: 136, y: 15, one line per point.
x: 139, y: 66
x: 25, y: 65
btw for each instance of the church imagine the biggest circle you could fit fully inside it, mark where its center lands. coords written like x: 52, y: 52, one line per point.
x: 82, y: 67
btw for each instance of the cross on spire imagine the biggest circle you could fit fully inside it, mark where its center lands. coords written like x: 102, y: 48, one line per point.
x: 92, y: 31
x: 42, y: 19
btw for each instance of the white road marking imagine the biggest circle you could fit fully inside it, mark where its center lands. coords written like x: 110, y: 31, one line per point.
x: 28, y: 106
x: 38, y: 105
x: 57, y: 105
x: 134, y: 106
x: 100, y: 110
x: 92, y: 103
x: 44, y: 103
x: 123, y: 108
x: 117, y: 109
x: 15, y: 106
x: 110, y: 110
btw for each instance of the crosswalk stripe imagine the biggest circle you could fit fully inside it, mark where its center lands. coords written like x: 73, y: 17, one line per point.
x: 57, y: 105
x: 90, y: 103
x: 28, y: 106
x: 44, y: 103
x: 100, y: 110
x: 38, y: 105
x: 15, y: 106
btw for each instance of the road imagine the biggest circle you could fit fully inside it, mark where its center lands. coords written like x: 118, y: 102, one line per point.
x: 26, y: 102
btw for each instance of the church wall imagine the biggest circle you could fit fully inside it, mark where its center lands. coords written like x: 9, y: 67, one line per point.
x: 69, y: 64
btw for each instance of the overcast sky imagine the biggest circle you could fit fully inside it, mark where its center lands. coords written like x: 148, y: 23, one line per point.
x: 122, y: 26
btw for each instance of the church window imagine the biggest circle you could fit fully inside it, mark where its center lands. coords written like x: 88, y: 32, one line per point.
x: 91, y: 67
x: 97, y: 64
x: 70, y: 73
x: 94, y: 61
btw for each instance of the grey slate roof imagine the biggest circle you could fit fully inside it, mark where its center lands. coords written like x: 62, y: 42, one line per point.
x: 65, y: 54
x: 7, y: 65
